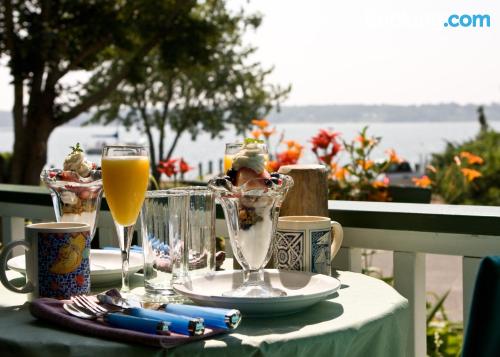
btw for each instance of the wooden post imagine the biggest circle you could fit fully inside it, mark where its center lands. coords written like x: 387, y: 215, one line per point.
x: 200, y: 171
x: 409, y: 281
x: 221, y: 166
x: 309, y: 194
x: 210, y: 167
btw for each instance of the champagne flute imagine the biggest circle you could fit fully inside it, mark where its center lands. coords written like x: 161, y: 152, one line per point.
x: 125, y: 176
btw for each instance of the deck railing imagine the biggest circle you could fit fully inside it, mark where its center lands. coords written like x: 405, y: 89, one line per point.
x: 409, y: 230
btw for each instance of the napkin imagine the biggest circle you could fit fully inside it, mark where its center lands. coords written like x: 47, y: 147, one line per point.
x: 483, y: 333
x: 51, y: 310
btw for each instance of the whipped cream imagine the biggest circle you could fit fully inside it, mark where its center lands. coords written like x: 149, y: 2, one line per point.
x: 251, y: 156
x: 76, y: 162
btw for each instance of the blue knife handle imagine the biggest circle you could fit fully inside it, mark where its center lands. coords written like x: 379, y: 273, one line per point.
x: 226, y: 319
x: 152, y: 326
x: 179, y: 324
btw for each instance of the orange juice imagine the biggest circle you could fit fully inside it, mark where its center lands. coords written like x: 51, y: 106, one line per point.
x: 125, y: 180
x: 228, y: 162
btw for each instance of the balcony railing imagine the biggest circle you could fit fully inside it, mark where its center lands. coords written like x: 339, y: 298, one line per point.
x: 409, y: 230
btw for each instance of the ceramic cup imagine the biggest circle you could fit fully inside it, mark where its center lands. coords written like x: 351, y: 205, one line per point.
x: 57, y: 260
x: 305, y: 243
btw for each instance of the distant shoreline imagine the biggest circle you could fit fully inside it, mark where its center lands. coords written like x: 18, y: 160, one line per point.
x: 450, y: 112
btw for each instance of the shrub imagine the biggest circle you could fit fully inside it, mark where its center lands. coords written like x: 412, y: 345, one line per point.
x: 474, y: 176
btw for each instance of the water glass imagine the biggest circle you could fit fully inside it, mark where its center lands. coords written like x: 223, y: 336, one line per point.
x: 164, y: 230
x: 201, y: 229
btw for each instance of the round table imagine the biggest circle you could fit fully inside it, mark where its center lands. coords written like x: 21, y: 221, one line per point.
x: 367, y: 317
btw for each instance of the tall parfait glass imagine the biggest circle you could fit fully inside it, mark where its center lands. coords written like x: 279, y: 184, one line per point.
x: 125, y: 176
x: 252, y: 212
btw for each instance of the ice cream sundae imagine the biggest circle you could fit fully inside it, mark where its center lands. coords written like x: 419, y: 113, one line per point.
x: 251, y: 198
x: 76, y: 190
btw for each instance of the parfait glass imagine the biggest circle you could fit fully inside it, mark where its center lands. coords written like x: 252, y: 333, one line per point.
x: 75, y: 198
x: 251, y: 215
x: 125, y: 176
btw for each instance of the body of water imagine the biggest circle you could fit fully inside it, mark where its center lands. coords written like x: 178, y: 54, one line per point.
x: 412, y: 141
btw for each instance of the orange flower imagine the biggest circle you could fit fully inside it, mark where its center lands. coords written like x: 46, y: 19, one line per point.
x: 366, y: 164
x: 256, y: 133
x: 471, y: 158
x: 379, y: 184
x: 364, y: 141
x: 273, y: 166
x: 423, y: 181
x: 268, y: 132
x: 470, y: 174
x: 338, y: 172
x: 260, y: 123
x: 393, y: 157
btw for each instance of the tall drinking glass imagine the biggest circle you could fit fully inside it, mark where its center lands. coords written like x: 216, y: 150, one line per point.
x: 125, y: 175
x: 231, y: 150
x: 200, y: 239
x: 164, y: 222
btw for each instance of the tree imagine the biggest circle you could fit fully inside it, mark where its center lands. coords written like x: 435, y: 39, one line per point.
x: 190, y: 97
x: 45, y: 40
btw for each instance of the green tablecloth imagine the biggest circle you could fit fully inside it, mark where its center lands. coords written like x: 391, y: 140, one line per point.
x: 366, y: 318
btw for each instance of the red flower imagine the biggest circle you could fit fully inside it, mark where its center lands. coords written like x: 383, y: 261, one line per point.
x: 327, y: 141
x: 324, y: 138
x: 183, y: 166
x: 168, y: 167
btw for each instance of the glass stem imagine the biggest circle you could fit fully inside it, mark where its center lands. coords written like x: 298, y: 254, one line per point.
x: 253, y: 277
x: 125, y: 235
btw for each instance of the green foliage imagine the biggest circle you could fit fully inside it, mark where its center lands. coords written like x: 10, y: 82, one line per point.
x: 450, y: 181
x: 45, y: 41
x: 444, y: 338
x: 359, y: 178
x: 5, y: 165
x: 204, y: 90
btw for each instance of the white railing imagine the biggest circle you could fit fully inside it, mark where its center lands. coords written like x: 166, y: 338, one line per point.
x: 409, y: 230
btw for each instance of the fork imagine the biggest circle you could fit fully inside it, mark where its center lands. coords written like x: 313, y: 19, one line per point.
x: 176, y: 323
x: 85, y: 308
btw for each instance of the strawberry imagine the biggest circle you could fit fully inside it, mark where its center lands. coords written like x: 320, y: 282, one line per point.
x: 244, y: 175
x: 69, y: 176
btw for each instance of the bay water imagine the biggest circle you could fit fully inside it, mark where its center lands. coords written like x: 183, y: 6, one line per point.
x: 413, y: 141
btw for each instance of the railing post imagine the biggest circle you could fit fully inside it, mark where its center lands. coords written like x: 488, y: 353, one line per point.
x: 470, y: 267
x: 409, y: 280
x: 12, y: 229
x: 348, y: 259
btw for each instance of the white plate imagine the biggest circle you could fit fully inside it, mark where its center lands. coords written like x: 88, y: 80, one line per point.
x: 303, y: 290
x: 105, y: 265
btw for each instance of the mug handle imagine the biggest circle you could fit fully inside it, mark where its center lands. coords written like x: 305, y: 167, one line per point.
x: 337, y: 238
x: 28, y: 287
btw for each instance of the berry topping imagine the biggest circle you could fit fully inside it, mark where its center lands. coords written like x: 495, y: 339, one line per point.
x: 268, y: 182
x: 220, y: 182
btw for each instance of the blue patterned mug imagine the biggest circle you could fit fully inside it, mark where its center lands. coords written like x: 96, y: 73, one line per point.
x: 307, y: 243
x: 57, y: 260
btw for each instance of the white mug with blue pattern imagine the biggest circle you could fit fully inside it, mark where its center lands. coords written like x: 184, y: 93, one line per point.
x: 307, y: 243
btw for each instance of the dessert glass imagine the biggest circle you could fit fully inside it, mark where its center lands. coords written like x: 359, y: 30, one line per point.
x: 75, y: 198
x: 251, y: 217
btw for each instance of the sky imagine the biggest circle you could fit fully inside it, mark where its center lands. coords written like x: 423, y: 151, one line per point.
x: 371, y: 52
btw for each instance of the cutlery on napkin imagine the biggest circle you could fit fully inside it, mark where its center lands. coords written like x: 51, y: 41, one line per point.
x: 227, y: 319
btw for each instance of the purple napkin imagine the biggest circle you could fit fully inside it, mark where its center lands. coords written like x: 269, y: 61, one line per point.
x: 52, y: 310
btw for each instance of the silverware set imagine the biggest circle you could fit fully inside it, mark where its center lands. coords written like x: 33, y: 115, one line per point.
x: 177, y: 318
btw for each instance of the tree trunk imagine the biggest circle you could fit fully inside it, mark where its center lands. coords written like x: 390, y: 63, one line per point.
x: 30, y: 150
